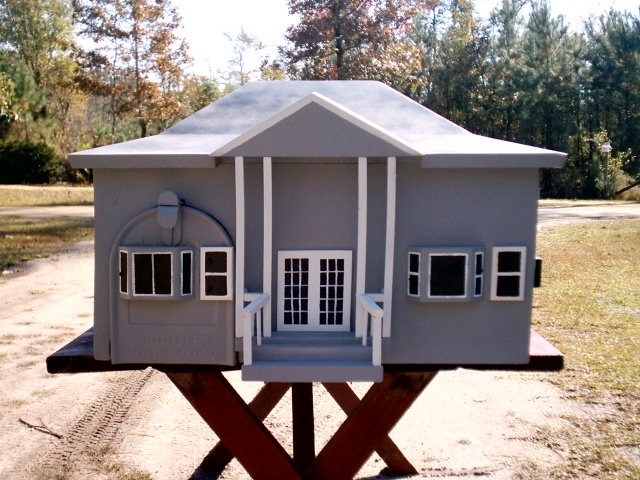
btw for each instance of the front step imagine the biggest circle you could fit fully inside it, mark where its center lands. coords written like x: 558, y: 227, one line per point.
x: 307, y: 372
x: 312, y: 357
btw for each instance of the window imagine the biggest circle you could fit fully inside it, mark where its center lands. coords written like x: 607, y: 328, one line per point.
x: 445, y: 274
x: 508, y: 273
x: 187, y: 273
x: 150, y: 272
x: 314, y: 289
x: 413, y: 284
x: 124, y: 272
x: 216, y: 279
x: 478, y: 276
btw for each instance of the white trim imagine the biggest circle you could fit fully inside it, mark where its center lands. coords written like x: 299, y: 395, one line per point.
x: 466, y: 275
x: 495, y: 274
x: 127, y: 273
x: 267, y: 262
x: 182, y: 294
x: 315, y: 256
x: 477, y: 275
x: 228, y: 274
x: 389, y: 245
x: 239, y: 175
x: 411, y: 273
x: 361, y: 261
x: 335, y: 108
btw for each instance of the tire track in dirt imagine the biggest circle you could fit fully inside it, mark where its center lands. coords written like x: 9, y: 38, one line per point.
x: 97, y: 428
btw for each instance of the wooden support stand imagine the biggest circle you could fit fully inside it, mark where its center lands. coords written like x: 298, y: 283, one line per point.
x: 243, y: 435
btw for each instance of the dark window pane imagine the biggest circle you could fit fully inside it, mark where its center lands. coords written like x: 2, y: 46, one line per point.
x: 478, y: 290
x: 124, y: 268
x: 447, y: 275
x: 323, y: 279
x: 215, y: 285
x: 340, y: 265
x: 304, y: 318
x: 288, y: 318
x: 331, y: 318
x: 186, y: 273
x: 323, y: 265
x: 143, y: 274
x: 339, y: 318
x: 509, y: 261
x: 323, y: 318
x: 305, y: 264
x: 508, y: 286
x: 414, y: 263
x: 479, y: 262
x: 296, y: 318
x: 413, y: 285
x: 323, y: 305
x: 304, y: 292
x: 287, y: 305
x: 215, y: 262
x: 339, y: 306
x: 332, y: 278
x: 304, y: 305
x: 332, y: 265
x: 162, y: 273
x: 287, y: 264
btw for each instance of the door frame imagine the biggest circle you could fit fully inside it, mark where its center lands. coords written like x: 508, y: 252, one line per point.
x: 314, y: 286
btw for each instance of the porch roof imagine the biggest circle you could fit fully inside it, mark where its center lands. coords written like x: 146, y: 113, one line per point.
x: 316, y: 120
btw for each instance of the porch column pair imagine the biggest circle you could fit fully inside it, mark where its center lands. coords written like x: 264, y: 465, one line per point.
x: 362, y: 241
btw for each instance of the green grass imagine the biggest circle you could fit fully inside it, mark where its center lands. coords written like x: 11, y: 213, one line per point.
x: 589, y: 307
x: 45, y: 195
x: 24, y: 239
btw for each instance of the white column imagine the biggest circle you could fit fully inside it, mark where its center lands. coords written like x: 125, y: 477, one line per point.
x: 268, y: 241
x: 240, y: 244
x: 361, y: 262
x: 389, y: 245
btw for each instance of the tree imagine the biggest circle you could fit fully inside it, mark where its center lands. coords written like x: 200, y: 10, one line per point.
x: 244, y: 44
x: 354, y: 39
x: 613, y: 56
x: 136, y: 60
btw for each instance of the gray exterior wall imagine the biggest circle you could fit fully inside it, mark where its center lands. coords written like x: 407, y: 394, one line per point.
x: 315, y: 207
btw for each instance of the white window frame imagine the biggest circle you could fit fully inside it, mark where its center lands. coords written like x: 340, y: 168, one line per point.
x: 495, y: 274
x: 153, y: 285
x: 228, y: 273
x: 411, y: 273
x: 466, y: 275
x: 182, y: 254
x: 478, y: 276
x: 314, y: 257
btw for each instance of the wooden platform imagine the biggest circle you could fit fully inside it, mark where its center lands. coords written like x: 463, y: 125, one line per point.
x: 77, y: 357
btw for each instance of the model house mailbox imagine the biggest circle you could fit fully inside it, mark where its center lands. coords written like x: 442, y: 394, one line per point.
x: 315, y: 231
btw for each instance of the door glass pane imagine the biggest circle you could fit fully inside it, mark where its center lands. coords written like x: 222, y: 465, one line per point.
x: 296, y: 291
x: 331, y: 291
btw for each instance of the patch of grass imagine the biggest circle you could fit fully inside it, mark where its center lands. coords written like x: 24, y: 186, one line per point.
x: 23, y: 239
x: 103, y: 459
x: 45, y: 195
x: 589, y: 307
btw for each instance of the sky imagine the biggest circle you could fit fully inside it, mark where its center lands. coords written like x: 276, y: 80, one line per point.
x: 206, y: 21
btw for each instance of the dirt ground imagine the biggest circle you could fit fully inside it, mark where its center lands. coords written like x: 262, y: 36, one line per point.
x: 116, y: 425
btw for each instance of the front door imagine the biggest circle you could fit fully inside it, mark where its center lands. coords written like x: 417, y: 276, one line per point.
x: 314, y: 290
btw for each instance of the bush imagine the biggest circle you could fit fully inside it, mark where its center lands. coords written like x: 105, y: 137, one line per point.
x: 25, y: 162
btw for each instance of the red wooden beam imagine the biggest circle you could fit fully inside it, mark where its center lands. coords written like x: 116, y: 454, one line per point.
x: 372, y: 420
x: 236, y: 425
x: 261, y: 405
x: 388, y: 451
x: 303, y: 429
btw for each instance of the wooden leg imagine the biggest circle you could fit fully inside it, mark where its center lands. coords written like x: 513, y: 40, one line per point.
x: 238, y: 428
x: 388, y: 451
x: 303, y: 435
x: 363, y: 430
x: 261, y: 405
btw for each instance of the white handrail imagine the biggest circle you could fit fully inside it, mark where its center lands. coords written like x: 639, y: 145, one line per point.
x: 248, y: 312
x: 370, y: 308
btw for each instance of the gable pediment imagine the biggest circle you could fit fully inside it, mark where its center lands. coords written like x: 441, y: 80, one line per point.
x: 317, y: 127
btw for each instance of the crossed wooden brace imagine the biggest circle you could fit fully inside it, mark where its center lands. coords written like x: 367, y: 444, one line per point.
x: 243, y: 435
